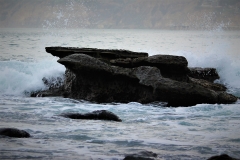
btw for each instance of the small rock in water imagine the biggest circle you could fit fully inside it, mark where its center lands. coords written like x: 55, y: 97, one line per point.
x: 95, y: 115
x: 144, y: 155
x: 14, y: 132
x: 222, y: 157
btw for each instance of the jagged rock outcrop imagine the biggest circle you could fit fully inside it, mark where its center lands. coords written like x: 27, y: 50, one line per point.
x: 124, y: 76
x: 14, y: 132
x: 55, y: 87
x: 95, y: 115
x: 209, y: 74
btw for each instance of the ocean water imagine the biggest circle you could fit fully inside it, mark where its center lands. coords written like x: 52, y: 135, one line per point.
x: 196, y: 132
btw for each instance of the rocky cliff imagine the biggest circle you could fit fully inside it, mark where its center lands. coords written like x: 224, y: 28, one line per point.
x: 151, y: 14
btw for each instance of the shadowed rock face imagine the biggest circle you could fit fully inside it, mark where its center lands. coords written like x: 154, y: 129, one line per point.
x: 13, y: 132
x: 95, y: 115
x: 125, y: 76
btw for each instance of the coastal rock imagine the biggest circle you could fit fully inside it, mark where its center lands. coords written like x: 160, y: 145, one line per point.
x: 48, y: 93
x: 209, y: 85
x: 209, y: 74
x: 83, y: 62
x: 53, y: 82
x: 100, y: 82
x: 174, y: 67
x: 54, y: 87
x: 95, y: 115
x: 106, y: 54
x: 106, y: 76
x: 144, y: 155
x: 222, y: 157
x: 14, y: 132
x: 69, y: 78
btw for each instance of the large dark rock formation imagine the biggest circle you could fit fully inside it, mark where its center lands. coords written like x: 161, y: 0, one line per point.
x: 95, y: 115
x: 124, y: 76
x: 14, y: 132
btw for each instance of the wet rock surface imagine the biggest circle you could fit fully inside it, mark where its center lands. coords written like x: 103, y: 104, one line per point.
x: 14, y: 132
x: 209, y: 74
x: 54, y: 87
x: 144, y: 155
x: 105, y: 76
x: 95, y: 115
x: 106, y: 54
x: 222, y: 157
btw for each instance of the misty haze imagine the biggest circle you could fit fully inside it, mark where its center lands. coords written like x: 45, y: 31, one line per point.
x: 120, y: 79
x: 138, y: 14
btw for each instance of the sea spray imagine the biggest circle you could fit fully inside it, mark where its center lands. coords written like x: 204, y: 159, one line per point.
x: 216, y: 49
x: 17, y: 77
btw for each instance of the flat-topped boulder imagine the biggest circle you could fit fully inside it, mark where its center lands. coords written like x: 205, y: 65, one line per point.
x: 94, y: 52
x: 106, y: 76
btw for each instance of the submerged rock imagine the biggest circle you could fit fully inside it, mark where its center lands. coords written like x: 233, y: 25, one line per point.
x: 106, y: 76
x: 14, y: 132
x: 95, y: 115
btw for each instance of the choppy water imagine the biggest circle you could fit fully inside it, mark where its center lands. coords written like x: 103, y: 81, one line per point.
x: 196, y: 132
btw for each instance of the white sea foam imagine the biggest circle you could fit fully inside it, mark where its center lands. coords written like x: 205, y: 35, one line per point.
x: 218, y: 51
x: 17, y: 77
x: 227, y: 66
